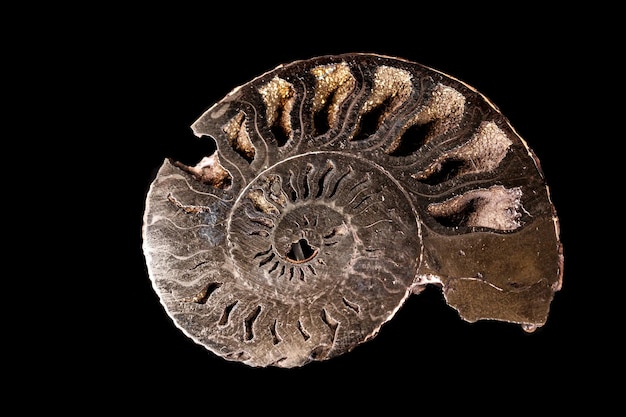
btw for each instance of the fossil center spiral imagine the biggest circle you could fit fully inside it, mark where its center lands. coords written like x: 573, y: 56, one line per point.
x: 306, y: 224
x: 311, y: 232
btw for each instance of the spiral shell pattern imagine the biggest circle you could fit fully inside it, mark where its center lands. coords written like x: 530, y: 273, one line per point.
x: 340, y: 186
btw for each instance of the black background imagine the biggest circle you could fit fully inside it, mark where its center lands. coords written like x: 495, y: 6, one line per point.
x: 153, y: 75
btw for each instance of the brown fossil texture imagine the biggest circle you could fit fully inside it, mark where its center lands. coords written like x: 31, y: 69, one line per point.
x: 340, y: 186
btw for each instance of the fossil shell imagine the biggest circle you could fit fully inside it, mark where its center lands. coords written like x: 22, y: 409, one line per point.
x: 340, y: 186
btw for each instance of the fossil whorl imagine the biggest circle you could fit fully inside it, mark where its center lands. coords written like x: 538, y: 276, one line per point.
x: 341, y: 185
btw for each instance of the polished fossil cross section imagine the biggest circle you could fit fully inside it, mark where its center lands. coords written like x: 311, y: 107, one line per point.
x: 341, y: 185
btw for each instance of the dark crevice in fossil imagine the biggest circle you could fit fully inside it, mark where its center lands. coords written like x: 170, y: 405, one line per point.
x: 321, y: 182
x: 239, y: 356
x: 448, y: 169
x: 321, y: 118
x: 301, y: 251
x: 226, y: 314
x: 351, y: 305
x: 371, y: 121
x: 198, y: 265
x: 365, y: 180
x: 320, y: 352
x: 367, y: 197
x: 312, y: 269
x: 267, y: 260
x: 249, y: 322
x: 274, y: 267
x: 339, y: 181
x: 203, y: 296
x: 303, y: 331
x: 330, y: 322
x: 291, y: 190
x: 278, y: 361
x: 281, y: 134
x: 373, y: 252
x: 411, y: 140
x: 291, y: 273
x: 305, y: 184
x: 263, y: 253
x: 357, y: 190
x: 278, y: 96
x: 276, y: 339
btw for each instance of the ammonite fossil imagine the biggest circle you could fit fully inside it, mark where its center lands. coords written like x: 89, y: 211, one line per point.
x: 340, y: 186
